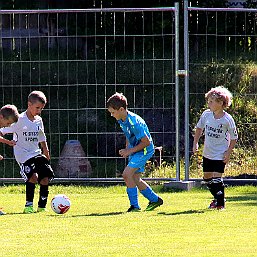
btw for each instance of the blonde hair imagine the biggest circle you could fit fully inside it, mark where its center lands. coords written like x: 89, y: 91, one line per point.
x: 220, y: 94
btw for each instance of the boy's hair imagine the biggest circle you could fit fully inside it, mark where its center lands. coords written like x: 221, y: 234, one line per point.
x: 117, y: 101
x: 35, y: 96
x: 220, y: 94
x: 9, y: 111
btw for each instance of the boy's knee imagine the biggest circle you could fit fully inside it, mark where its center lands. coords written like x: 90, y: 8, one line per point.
x: 33, y: 178
x: 127, y: 174
x: 44, y: 181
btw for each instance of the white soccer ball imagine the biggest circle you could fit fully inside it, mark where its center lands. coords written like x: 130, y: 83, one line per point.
x: 60, y: 204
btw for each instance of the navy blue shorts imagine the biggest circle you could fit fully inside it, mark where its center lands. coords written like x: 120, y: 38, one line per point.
x: 38, y: 164
x: 213, y: 165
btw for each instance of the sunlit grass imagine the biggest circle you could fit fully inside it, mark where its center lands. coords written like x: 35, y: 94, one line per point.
x: 97, y: 224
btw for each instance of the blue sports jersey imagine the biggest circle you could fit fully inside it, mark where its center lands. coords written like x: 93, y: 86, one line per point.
x: 135, y: 128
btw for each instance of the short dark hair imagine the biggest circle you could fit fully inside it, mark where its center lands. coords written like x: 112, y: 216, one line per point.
x: 9, y: 111
x: 35, y: 96
x: 117, y: 101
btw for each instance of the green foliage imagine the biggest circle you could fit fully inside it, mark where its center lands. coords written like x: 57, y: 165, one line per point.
x: 240, y: 78
x: 165, y: 170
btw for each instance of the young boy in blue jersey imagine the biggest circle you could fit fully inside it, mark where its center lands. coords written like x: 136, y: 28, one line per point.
x: 139, y: 149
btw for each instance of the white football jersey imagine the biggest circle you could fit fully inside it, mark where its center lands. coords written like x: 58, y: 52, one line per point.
x: 27, y: 134
x: 218, y: 133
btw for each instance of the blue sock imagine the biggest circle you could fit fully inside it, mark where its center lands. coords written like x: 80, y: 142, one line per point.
x: 150, y: 194
x: 133, y: 196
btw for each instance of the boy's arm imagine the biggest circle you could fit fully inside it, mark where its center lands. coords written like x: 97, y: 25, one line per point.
x: 45, y: 149
x: 198, y: 133
x: 128, y: 151
x: 229, y: 151
x: 6, y: 141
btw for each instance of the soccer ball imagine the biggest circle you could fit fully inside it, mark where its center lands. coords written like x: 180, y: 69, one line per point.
x: 60, y: 204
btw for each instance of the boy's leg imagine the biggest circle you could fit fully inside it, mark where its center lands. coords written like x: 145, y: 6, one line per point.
x: 214, y: 181
x: 138, y: 162
x: 43, y: 193
x: 148, y: 193
x: 145, y: 189
x: 219, y: 190
x: 30, y: 192
x: 45, y: 172
x: 131, y: 188
x: 210, y: 185
x: 30, y: 177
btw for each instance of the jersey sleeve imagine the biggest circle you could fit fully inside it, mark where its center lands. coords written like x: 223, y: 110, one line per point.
x: 232, y: 130
x: 139, y: 131
x: 41, y: 133
x: 201, y: 123
x: 9, y: 130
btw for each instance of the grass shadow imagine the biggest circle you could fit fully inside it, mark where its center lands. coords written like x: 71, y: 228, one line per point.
x: 15, y: 213
x: 243, y: 199
x: 181, y: 212
x: 98, y: 214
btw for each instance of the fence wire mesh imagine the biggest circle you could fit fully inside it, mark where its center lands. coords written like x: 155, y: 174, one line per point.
x: 223, y: 53
x: 79, y: 58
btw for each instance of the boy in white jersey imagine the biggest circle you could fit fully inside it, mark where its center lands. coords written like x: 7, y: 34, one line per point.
x: 139, y: 149
x: 220, y: 139
x: 28, y: 133
x: 8, y: 115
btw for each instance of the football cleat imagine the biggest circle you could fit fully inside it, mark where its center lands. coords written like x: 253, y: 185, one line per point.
x: 213, y: 204
x: 152, y: 205
x: 40, y: 209
x: 2, y: 212
x: 133, y: 209
x: 221, y: 208
x: 28, y: 209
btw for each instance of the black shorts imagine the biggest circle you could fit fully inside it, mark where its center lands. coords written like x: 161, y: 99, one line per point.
x: 38, y: 164
x: 213, y: 165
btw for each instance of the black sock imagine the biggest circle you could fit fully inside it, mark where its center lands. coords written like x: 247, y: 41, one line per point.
x: 219, y: 189
x: 220, y: 195
x: 30, y: 191
x: 43, y: 194
x: 210, y: 186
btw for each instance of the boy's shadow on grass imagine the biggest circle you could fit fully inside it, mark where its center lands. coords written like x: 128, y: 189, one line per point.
x: 181, y: 212
x: 15, y: 213
x: 244, y: 199
x: 98, y: 214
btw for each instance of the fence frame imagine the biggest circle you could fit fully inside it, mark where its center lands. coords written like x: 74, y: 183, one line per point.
x: 179, y: 73
x: 174, y: 9
x: 186, y: 10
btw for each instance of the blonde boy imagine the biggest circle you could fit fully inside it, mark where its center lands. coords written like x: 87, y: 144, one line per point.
x: 220, y: 138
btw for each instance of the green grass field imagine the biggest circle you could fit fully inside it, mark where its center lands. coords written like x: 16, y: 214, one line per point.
x: 97, y: 224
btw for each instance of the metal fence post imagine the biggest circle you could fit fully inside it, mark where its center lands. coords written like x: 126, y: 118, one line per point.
x: 186, y: 79
x: 177, y: 90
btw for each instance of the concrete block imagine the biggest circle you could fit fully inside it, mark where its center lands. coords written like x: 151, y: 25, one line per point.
x: 184, y: 185
x: 73, y: 162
